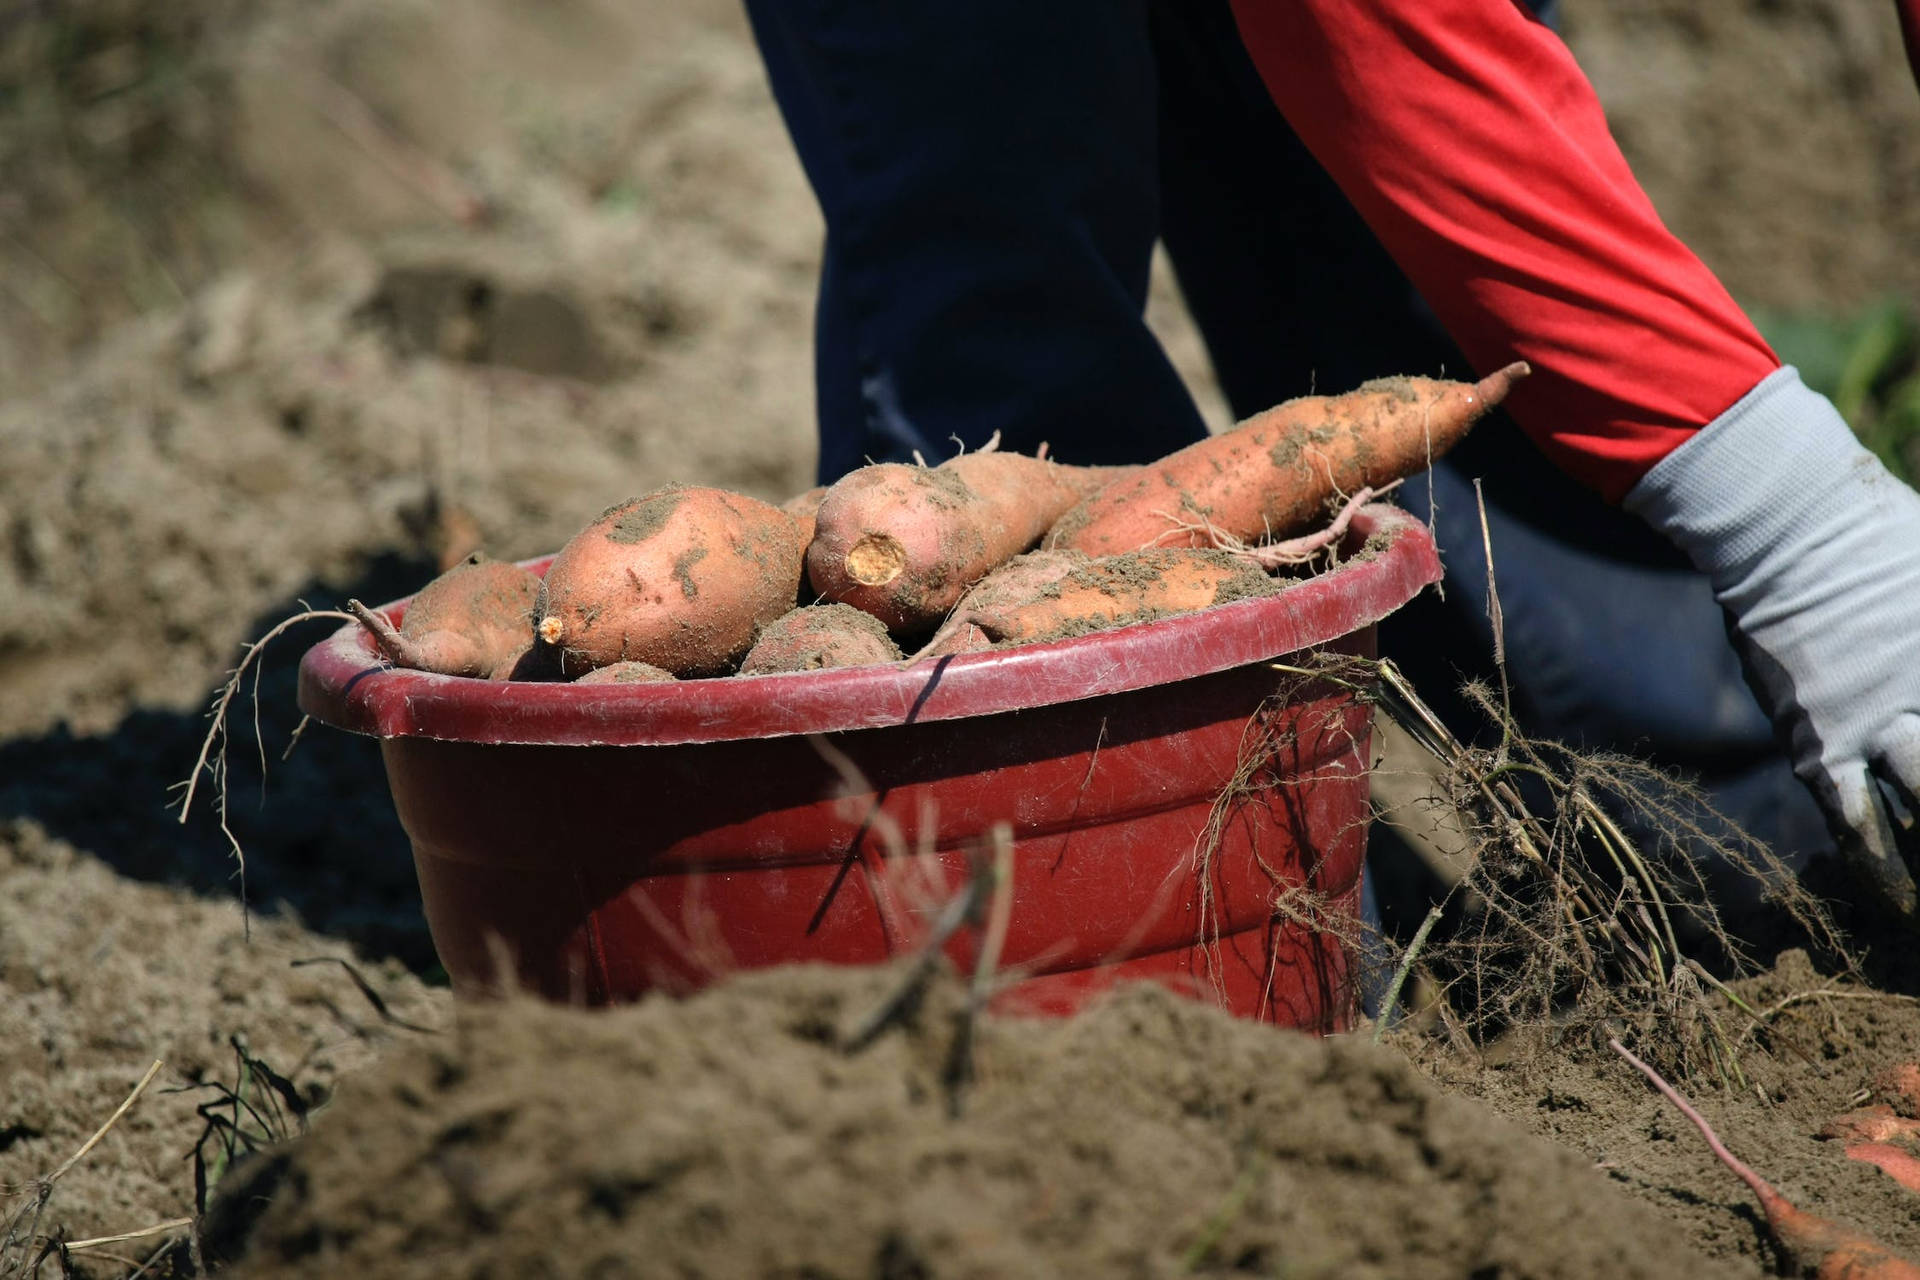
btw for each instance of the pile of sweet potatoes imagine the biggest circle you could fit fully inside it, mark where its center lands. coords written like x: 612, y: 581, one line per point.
x: 987, y: 548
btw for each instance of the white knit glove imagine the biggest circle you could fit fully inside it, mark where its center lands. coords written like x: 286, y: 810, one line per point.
x: 1813, y: 548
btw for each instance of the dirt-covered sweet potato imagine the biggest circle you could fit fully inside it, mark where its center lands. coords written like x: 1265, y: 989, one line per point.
x: 682, y: 578
x: 472, y: 620
x: 1276, y: 472
x: 1056, y: 601
x: 904, y: 542
x: 817, y: 636
x: 803, y: 507
x: 1014, y: 584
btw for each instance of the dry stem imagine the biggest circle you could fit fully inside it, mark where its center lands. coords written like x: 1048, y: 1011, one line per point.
x: 1571, y: 918
x: 215, y: 763
x: 40, y: 1190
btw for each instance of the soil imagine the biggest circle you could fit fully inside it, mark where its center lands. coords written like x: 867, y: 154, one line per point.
x: 1153, y: 1136
x: 1815, y: 1056
x: 297, y: 301
x: 1766, y: 132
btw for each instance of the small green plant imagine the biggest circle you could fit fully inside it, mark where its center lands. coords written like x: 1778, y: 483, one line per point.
x: 1869, y: 364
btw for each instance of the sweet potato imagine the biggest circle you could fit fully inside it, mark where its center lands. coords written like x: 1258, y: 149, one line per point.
x: 627, y: 673
x: 683, y: 578
x: 819, y: 636
x: 805, y: 504
x: 1832, y: 1251
x: 803, y: 507
x: 1878, y: 1123
x: 1110, y: 591
x: 903, y: 542
x: 1277, y: 471
x: 472, y: 620
x: 1015, y: 584
x: 1896, y: 1161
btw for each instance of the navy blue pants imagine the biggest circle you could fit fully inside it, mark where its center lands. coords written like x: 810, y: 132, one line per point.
x: 994, y: 176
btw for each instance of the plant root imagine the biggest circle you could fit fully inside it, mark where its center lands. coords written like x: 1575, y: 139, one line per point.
x: 213, y: 755
x: 1273, y: 556
x: 1561, y: 919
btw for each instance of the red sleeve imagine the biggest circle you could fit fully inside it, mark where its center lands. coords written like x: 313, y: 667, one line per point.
x: 1910, y: 28
x: 1476, y: 149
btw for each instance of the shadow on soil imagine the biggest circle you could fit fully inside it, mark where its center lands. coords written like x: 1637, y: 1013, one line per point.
x: 319, y: 830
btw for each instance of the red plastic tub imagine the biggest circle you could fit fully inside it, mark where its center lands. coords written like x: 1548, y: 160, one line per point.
x: 605, y: 841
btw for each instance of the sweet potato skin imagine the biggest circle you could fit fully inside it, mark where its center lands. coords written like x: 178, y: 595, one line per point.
x: 473, y: 620
x: 1276, y: 472
x: 682, y: 578
x: 803, y: 507
x: 904, y: 542
x: 1015, y: 584
x: 819, y: 636
x: 1046, y: 598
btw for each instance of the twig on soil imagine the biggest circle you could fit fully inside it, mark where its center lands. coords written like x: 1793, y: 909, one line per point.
x: 111, y: 1120
x: 429, y: 176
x: 1829, y: 993
x: 1760, y: 1019
x: 40, y: 1190
x: 1411, y: 954
x: 171, y: 1224
x: 366, y: 989
x: 985, y: 901
x: 999, y: 915
x: 246, y: 1127
x: 906, y: 993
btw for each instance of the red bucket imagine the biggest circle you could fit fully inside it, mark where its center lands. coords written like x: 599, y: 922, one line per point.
x: 1164, y: 786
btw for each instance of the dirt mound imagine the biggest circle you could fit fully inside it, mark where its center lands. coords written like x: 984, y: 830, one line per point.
x: 727, y: 1136
x: 99, y: 976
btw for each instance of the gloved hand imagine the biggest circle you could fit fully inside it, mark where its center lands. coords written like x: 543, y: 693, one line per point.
x: 1813, y: 548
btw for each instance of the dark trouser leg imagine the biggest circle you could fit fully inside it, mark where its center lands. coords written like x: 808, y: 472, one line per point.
x: 987, y: 171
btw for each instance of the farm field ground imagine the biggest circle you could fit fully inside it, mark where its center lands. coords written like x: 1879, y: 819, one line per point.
x: 254, y: 353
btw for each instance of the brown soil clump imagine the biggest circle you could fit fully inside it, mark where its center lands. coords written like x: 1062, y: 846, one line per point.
x: 727, y: 1135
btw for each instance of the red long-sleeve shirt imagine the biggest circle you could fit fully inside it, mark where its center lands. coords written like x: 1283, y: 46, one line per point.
x: 1476, y: 149
x: 1910, y: 28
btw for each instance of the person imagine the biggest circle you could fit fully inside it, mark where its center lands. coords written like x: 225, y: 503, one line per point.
x: 1697, y: 561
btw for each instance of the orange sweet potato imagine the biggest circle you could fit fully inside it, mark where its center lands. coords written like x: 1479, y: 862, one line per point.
x: 818, y: 636
x: 803, y: 507
x: 1051, y: 598
x: 683, y: 578
x: 472, y: 620
x: 1012, y: 586
x: 1829, y: 1249
x: 903, y: 542
x: 1277, y: 471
